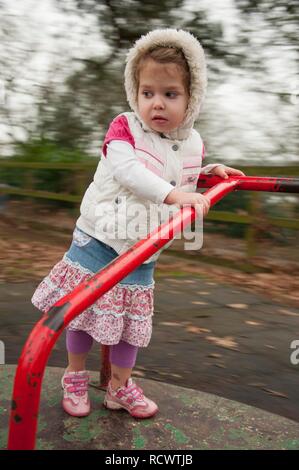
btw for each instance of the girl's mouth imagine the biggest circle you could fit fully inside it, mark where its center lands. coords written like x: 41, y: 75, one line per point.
x: 159, y: 119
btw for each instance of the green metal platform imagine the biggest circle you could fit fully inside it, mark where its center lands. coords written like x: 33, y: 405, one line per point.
x: 187, y: 420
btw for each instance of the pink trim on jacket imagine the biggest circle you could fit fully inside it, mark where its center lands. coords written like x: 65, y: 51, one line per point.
x: 155, y: 157
x: 118, y: 130
x: 151, y: 167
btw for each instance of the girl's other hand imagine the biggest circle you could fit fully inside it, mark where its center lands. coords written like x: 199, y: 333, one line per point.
x: 196, y: 200
x: 225, y: 171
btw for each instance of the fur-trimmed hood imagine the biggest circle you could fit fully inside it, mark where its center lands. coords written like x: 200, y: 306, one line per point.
x: 195, y: 57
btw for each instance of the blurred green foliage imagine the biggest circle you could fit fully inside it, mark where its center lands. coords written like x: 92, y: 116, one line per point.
x: 48, y: 152
x: 234, y: 202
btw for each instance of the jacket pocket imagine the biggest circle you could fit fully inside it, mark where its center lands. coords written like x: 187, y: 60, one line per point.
x: 81, y: 238
x: 190, y: 173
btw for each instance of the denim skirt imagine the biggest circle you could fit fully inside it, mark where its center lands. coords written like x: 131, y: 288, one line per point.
x: 123, y: 313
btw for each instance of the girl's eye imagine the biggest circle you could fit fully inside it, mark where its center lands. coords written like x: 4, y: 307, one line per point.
x: 171, y: 94
x: 147, y: 94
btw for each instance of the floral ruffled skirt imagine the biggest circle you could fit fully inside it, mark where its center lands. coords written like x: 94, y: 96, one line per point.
x: 123, y: 313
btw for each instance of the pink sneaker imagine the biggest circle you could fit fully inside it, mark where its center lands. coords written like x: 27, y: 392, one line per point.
x: 75, y: 393
x: 131, y: 398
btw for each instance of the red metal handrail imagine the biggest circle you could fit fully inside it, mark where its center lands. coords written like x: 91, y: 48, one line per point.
x: 255, y: 183
x: 34, y: 356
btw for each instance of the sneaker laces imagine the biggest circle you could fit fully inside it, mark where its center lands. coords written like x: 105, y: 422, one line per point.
x: 133, y: 390
x: 77, y: 384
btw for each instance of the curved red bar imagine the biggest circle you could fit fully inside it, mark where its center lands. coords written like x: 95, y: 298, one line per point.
x: 33, y: 359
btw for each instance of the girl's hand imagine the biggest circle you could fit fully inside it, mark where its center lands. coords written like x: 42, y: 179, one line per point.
x: 180, y: 198
x: 224, y: 171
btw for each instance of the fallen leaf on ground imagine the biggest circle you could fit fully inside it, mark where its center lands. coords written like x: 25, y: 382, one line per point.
x: 169, y: 323
x: 138, y: 373
x: 196, y: 329
x: 288, y: 312
x: 257, y: 384
x: 275, y: 393
x: 240, y: 306
x: 177, y: 376
x: 226, y: 342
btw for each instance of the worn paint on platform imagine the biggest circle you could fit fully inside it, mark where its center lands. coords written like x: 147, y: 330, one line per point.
x: 190, y: 420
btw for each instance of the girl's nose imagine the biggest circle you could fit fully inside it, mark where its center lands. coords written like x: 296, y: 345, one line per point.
x: 158, y: 103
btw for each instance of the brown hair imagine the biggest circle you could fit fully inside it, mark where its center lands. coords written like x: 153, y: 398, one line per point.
x: 166, y: 55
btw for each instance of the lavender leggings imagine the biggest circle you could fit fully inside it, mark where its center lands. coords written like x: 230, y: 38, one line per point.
x: 122, y: 354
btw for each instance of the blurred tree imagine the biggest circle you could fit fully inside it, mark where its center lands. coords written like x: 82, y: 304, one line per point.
x: 281, y: 18
x: 94, y: 94
x: 13, y: 54
x: 272, y: 55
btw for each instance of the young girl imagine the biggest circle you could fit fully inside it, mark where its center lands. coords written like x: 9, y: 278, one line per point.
x: 150, y: 156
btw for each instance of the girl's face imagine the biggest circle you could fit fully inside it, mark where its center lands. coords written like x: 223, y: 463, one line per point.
x: 162, y: 96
